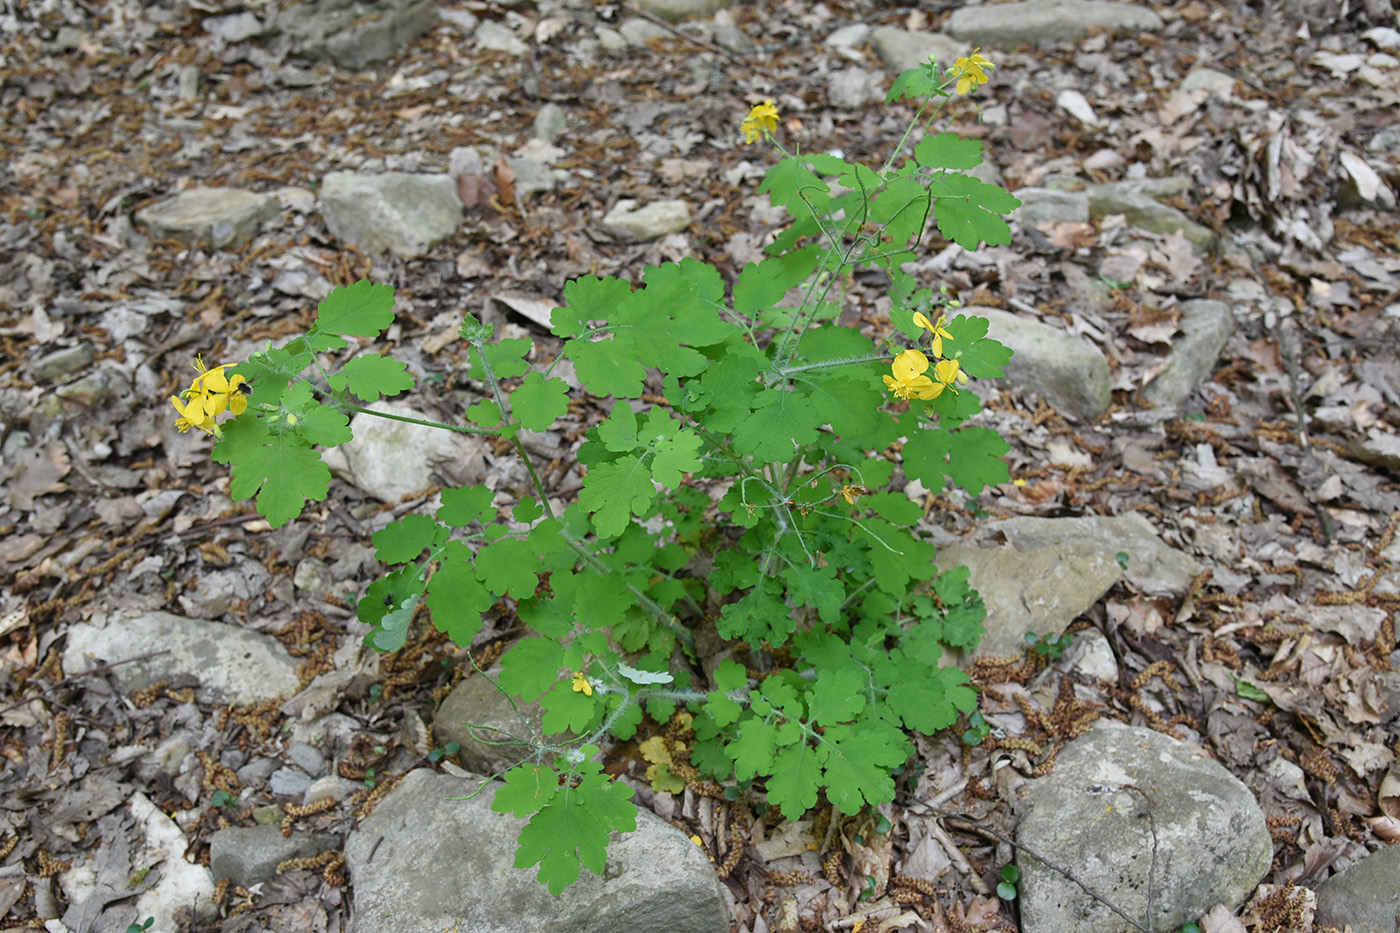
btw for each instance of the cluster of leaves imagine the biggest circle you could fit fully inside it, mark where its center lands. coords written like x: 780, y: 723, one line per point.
x: 754, y: 496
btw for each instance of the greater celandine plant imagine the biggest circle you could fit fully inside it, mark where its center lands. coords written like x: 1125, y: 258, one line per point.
x: 756, y: 499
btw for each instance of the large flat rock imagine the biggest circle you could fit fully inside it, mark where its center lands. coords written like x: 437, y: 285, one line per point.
x: 422, y: 863
x: 234, y: 665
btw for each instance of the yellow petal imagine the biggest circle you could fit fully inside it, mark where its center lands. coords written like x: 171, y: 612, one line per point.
x: 909, y: 364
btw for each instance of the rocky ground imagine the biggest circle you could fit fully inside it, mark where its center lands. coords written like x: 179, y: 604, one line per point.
x: 1201, y: 289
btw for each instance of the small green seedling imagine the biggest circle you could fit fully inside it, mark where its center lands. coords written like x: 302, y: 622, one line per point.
x: 437, y: 754
x: 1049, y: 646
x: 1122, y: 558
x: 977, y: 731
x: 1006, y: 888
x: 140, y: 927
x: 223, y: 798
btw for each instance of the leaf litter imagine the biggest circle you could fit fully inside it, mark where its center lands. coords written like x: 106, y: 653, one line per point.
x: 1281, y: 472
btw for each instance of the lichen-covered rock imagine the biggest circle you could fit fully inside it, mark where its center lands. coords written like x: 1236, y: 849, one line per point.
x: 1128, y: 810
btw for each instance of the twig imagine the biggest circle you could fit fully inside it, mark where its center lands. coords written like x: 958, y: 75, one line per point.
x: 99, y: 669
x: 959, y: 860
x: 689, y: 38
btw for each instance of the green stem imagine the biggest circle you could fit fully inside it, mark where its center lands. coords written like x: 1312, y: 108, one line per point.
x: 460, y: 429
x: 786, y: 371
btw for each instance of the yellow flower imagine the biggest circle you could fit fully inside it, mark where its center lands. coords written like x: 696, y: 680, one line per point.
x: 192, y: 415
x: 946, y: 373
x: 581, y: 685
x: 220, y: 393
x: 211, y: 393
x: 909, y: 380
x: 850, y: 494
x: 939, y: 334
x: 762, y: 120
x: 968, y: 71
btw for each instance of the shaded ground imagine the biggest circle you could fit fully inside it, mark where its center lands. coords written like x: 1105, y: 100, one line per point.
x: 1280, y: 474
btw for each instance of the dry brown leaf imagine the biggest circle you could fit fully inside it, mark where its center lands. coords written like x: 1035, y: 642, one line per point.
x: 474, y: 190
x: 38, y: 471
x: 1154, y: 325
x: 1388, y: 797
x: 505, y: 181
x: 1221, y: 920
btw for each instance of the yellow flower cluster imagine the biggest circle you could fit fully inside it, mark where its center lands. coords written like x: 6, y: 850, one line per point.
x: 968, y: 72
x: 762, y: 120
x: 211, y: 394
x: 908, y: 380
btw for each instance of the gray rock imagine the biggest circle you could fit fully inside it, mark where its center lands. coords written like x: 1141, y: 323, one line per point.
x: 256, y: 771
x: 405, y: 214
x: 1153, y: 568
x: 1215, y: 83
x: 1364, y: 896
x: 610, y: 40
x: 1144, y: 211
x: 1379, y: 448
x: 1386, y: 140
x: 1212, y: 845
x: 214, y: 593
x: 848, y: 37
x: 393, y: 459
x: 1007, y: 25
x: 289, y: 782
x: 234, y: 28
x: 674, y: 11
x: 901, y: 50
x: 1092, y: 656
x: 729, y: 36
x: 1205, y: 327
x: 1070, y: 373
x: 1039, y: 590
x: 656, y: 878
x: 250, y: 855
x: 639, y: 32
x: 647, y: 223
x: 225, y: 218
x: 550, y: 122
x: 187, y: 85
x: 63, y: 362
x: 1162, y: 186
x: 497, y: 37
x: 531, y: 176
x: 307, y: 757
x: 476, y: 701
x: 852, y: 88
x: 234, y: 665
x: 1048, y: 206
x: 355, y: 33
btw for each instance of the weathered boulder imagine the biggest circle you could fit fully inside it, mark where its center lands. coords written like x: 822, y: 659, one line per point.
x: 1132, y: 812
x: 656, y: 878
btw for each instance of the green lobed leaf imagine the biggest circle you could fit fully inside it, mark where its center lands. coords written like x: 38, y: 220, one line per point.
x: 948, y: 151
x: 796, y: 780
x: 362, y: 309
x: 539, y: 401
x: 574, y: 828
x: 968, y: 210
x: 457, y: 600
x: 508, y: 567
x: 279, y: 468
x: 405, y: 539
x: 915, y: 83
x: 615, y: 492
x: 857, y: 763
x: 463, y: 505
x: 373, y: 375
